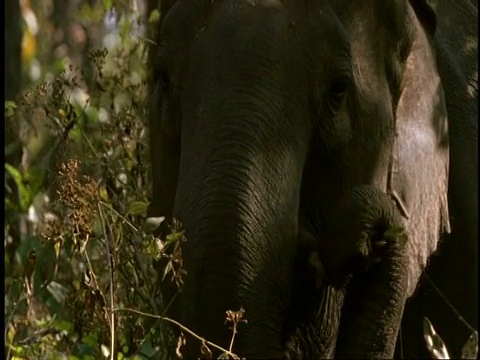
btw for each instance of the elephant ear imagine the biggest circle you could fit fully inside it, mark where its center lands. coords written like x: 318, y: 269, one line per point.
x: 426, y: 11
x: 418, y: 177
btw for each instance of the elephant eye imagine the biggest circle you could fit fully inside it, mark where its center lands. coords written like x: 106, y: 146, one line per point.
x: 337, y: 91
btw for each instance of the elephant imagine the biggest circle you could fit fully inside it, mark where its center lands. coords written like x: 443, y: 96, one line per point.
x: 283, y: 135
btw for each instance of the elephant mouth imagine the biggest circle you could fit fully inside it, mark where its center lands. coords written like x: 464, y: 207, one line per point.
x: 362, y: 233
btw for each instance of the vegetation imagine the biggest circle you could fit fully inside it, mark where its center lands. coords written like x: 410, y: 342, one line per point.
x: 76, y: 250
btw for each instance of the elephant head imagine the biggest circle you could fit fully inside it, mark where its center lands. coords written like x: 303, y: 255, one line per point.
x: 264, y: 115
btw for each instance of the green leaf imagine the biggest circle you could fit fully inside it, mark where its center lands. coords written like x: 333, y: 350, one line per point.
x: 137, y: 208
x: 28, y: 184
x: 10, y: 107
x: 174, y: 237
x: 152, y: 248
x: 22, y: 191
x: 154, y: 16
x: 62, y: 325
x: 107, y: 4
x: 35, y: 178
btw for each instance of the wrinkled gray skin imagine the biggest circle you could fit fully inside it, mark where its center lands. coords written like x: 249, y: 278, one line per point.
x: 266, y: 114
x: 372, y: 246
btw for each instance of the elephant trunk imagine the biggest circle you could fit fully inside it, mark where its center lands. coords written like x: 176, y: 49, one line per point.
x: 237, y: 198
x: 373, y: 309
x: 364, y: 254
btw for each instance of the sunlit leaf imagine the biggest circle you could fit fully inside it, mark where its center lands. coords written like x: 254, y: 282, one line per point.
x: 174, y: 237
x: 154, y: 16
x: 180, y: 343
x: 28, y: 184
x: 434, y: 342
x: 10, y: 334
x: 105, y: 350
x: 137, y: 208
x: 166, y: 271
x: 58, y: 291
x: 152, y: 223
x: 10, y: 107
x: 57, y: 247
x: 22, y: 190
x: 103, y: 193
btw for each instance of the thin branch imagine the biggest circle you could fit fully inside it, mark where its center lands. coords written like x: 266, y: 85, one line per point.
x: 187, y: 330
x: 125, y: 220
x: 232, y: 340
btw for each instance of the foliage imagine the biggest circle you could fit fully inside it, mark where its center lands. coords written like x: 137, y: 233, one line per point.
x: 83, y: 195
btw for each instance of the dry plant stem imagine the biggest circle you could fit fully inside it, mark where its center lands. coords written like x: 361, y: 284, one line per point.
x: 125, y: 220
x: 54, y: 274
x: 137, y: 259
x: 457, y: 314
x: 187, y: 330
x: 140, y: 293
x: 144, y: 274
x: 90, y: 268
x: 110, y: 273
x: 232, y: 340
x: 95, y: 153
